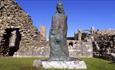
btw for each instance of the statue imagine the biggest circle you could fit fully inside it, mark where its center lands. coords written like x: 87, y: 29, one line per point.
x: 58, y: 33
x: 59, y: 54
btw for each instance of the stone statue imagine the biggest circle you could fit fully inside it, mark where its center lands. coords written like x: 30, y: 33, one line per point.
x: 59, y: 55
x: 58, y: 33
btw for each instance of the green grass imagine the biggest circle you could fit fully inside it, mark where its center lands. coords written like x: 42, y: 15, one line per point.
x: 9, y: 63
x: 99, y: 64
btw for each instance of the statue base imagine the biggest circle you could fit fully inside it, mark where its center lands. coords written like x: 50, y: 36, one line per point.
x: 60, y: 64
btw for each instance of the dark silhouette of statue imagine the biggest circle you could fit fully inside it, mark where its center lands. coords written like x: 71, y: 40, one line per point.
x: 57, y: 36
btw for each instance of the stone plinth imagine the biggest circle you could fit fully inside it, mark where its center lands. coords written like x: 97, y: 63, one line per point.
x: 60, y: 64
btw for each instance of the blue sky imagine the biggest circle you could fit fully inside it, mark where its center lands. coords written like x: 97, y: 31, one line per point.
x: 81, y: 14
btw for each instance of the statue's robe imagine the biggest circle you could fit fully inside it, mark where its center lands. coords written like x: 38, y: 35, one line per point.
x: 57, y: 38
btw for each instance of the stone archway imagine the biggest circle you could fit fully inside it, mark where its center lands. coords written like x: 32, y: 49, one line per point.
x: 10, y: 41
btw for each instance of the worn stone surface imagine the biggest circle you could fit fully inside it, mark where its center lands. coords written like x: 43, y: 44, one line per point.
x: 14, y: 17
x: 104, y: 43
x: 81, y: 49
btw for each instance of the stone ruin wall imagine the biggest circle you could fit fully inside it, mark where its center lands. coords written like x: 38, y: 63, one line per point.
x: 12, y: 16
x: 105, y: 39
x: 106, y: 31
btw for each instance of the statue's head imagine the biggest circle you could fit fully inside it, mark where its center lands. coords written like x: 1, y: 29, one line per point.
x: 60, y: 8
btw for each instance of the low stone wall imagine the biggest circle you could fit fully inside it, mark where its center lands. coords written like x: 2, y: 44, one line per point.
x: 83, y: 49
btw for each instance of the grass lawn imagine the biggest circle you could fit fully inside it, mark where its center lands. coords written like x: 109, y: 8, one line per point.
x: 9, y: 63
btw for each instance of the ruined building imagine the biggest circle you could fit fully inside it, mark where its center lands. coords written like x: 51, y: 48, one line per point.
x: 17, y: 34
x: 42, y: 32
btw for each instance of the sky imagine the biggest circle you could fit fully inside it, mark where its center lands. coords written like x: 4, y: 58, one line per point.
x: 82, y: 14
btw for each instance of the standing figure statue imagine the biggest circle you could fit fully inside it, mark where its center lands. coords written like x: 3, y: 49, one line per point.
x: 59, y: 54
x: 58, y: 33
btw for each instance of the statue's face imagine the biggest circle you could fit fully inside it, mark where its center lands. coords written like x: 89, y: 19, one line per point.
x: 60, y: 9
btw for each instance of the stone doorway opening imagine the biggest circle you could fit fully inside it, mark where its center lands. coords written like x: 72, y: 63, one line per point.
x: 71, y: 44
x: 11, y: 41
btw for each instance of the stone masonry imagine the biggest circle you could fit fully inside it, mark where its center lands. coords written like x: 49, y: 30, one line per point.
x: 12, y: 17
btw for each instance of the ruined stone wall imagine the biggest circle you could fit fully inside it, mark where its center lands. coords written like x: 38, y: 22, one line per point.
x: 104, y: 41
x: 12, y: 16
x: 106, y: 31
